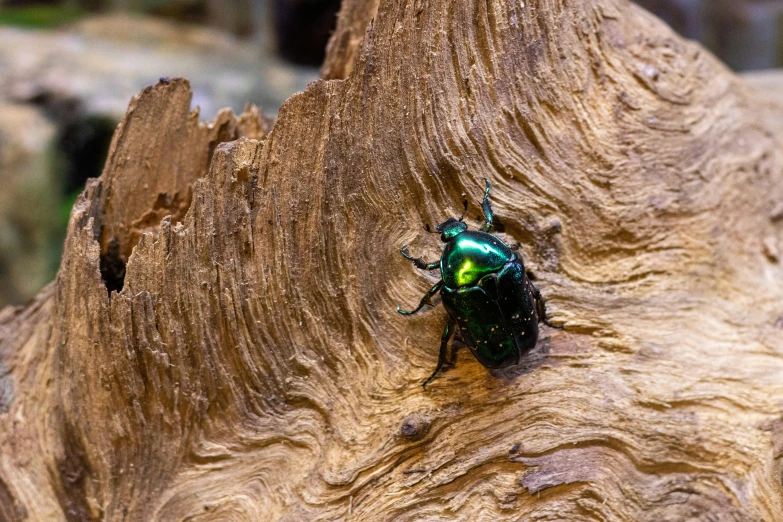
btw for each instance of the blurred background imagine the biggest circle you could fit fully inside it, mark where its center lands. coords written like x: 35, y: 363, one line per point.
x: 69, y: 67
x: 745, y: 34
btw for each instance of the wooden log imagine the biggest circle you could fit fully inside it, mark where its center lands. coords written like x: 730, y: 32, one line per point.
x: 352, y: 22
x: 252, y: 365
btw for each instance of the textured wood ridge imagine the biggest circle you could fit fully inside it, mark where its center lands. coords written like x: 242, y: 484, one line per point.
x: 352, y: 22
x: 252, y: 367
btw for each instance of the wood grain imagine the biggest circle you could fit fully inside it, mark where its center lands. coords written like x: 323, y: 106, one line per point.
x: 253, y: 367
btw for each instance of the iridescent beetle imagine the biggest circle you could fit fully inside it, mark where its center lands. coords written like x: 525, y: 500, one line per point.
x: 486, y: 293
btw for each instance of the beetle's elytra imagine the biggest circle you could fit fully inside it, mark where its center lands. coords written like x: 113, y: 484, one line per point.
x: 486, y: 293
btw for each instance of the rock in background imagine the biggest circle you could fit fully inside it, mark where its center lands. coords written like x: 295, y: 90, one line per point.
x: 103, y: 61
x: 30, y: 231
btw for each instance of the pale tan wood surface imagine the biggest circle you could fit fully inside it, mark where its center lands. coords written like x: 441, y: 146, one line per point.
x: 253, y: 366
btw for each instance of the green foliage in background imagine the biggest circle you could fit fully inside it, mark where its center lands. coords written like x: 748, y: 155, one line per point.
x: 66, y: 206
x: 39, y: 16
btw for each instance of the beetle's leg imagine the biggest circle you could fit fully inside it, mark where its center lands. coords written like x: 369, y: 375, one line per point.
x: 487, y: 209
x: 541, y: 309
x: 448, y: 330
x: 433, y: 291
x: 420, y: 263
x: 452, y: 356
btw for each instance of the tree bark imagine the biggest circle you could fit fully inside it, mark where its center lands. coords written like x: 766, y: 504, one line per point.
x: 251, y: 365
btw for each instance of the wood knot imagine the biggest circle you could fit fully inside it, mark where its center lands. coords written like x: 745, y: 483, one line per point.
x: 515, y: 453
x: 415, y: 427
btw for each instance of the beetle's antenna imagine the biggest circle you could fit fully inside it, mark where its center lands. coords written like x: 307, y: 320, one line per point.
x: 465, y: 203
x: 428, y: 228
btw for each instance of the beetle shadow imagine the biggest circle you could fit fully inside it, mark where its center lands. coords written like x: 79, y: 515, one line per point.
x: 529, y: 362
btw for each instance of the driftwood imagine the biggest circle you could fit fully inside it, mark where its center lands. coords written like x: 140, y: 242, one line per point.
x: 249, y: 363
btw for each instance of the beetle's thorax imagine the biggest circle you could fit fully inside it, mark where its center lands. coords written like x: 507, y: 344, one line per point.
x: 451, y: 228
x: 471, y: 255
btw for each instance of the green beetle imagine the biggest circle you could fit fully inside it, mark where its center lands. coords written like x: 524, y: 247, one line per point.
x: 486, y: 293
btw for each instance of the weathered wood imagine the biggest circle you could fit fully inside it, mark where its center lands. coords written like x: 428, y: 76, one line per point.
x: 160, y: 150
x: 352, y: 22
x: 253, y: 367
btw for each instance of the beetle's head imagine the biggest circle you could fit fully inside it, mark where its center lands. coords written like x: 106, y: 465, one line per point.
x: 451, y: 228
